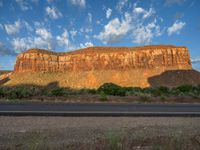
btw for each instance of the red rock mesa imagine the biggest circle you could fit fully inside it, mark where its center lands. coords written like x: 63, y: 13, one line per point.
x: 93, y: 66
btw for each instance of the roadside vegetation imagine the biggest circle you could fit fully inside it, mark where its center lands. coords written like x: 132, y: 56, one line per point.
x: 104, y: 91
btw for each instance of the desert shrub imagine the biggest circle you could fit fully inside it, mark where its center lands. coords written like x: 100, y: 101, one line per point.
x: 18, y: 92
x: 58, y: 92
x: 112, y: 89
x: 92, y: 91
x: 103, y: 96
x: 186, y: 88
x: 87, y: 91
x: 1, y: 92
x: 115, y: 140
x: 132, y: 90
x: 160, y: 91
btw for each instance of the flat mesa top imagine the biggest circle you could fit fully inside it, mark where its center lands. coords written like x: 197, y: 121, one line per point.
x: 102, y: 49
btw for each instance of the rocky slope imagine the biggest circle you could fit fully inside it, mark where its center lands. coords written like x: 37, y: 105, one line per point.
x: 91, y: 67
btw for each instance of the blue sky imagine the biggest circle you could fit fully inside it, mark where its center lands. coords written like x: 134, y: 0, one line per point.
x: 65, y: 25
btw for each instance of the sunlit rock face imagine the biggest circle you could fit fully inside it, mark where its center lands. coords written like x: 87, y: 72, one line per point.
x: 93, y: 66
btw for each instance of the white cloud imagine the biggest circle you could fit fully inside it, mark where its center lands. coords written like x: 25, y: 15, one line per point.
x: 108, y: 13
x: 143, y: 34
x: 46, y: 37
x: 90, y: 17
x: 12, y: 29
x: 145, y: 13
x: 87, y: 44
x: 176, y: 27
x: 141, y: 25
x: 22, y: 44
x: 115, y: 30
x: 23, y: 4
x: 19, y: 44
x: 195, y: 60
x: 53, y: 12
x: 73, y: 33
x: 80, y: 3
x: 28, y: 26
x: 121, y: 4
x: 63, y: 40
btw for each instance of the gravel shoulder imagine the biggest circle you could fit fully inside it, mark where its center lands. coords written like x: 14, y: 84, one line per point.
x: 95, y: 132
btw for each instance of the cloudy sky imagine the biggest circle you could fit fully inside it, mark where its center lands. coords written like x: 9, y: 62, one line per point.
x: 65, y: 25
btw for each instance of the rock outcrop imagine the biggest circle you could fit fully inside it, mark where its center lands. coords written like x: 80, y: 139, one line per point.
x: 104, y: 58
x: 91, y: 67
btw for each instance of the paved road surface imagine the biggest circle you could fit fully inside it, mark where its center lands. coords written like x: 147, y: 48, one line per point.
x: 96, y: 109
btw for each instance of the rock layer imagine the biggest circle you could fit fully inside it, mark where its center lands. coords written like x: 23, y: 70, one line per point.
x: 104, y: 58
x: 91, y: 67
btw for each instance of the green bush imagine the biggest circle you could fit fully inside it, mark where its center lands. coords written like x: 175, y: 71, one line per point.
x: 112, y: 89
x: 1, y: 92
x: 18, y: 92
x: 103, y: 96
x: 160, y: 91
x: 58, y: 92
x: 132, y: 90
x: 87, y: 91
x: 186, y: 88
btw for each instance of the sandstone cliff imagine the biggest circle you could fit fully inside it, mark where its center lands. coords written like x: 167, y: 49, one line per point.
x: 91, y: 67
x: 104, y: 58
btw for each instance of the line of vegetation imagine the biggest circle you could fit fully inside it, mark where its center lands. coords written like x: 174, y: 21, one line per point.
x: 103, y: 91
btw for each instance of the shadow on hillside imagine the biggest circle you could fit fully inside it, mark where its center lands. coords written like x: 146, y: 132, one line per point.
x: 3, y: 81
x: 171, y: 78
x: 175, y: 78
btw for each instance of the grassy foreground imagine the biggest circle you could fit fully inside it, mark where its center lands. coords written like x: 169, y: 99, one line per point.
x: 103, y: 93
x: 112, y: 140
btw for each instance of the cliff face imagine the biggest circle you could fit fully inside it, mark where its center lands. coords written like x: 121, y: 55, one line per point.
x: 104, y: 58
x: 91, y: 67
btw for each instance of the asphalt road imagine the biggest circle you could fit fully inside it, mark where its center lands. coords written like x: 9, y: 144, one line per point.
x: 98, y: 109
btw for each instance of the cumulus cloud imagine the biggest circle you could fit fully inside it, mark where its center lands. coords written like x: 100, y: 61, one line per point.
x: 53, y: 12
x: 80, y: 3
x: 27, y: 26
x: 5, y: 51
x: 145, y: 13
x: 64, y: 40
x: 12, y: 29
x: 87, y: 44
x: 143, y: 34
x: 23, y: 4
x: 121, y: 4
x: 73, y: 33
x: 115, y: 30
x: 176, y: 27
x: 108, y: 13
x: 140, y: 24
x: 46, y: 37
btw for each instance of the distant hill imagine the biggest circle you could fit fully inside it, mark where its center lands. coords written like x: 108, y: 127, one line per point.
x: 5, y: 71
